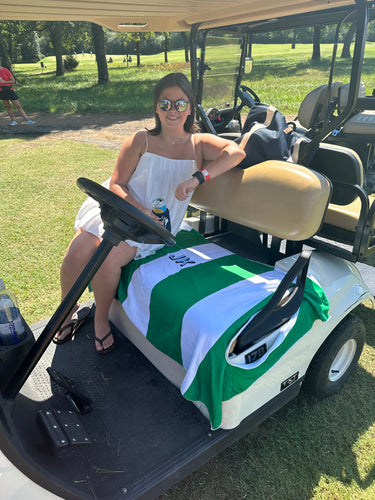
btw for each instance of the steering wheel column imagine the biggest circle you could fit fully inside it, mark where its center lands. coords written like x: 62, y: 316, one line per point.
x: 247, y: 96
x: 121, y: 221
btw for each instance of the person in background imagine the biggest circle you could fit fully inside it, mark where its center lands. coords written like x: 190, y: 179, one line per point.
x: 169, y: 161
x: 7, y: 94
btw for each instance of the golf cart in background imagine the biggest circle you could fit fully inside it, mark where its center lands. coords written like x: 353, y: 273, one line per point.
x: 333, y: 132
x: 77, y: 425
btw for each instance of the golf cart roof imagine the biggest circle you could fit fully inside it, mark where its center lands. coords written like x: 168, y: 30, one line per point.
x: 166, y: 15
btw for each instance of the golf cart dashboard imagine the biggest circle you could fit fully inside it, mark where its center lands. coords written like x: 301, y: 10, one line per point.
x: 215, y: 117
x: 221, y: 119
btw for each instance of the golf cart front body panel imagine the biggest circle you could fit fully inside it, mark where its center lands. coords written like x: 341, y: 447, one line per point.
x: 344, y: 289
x: 302, y: 188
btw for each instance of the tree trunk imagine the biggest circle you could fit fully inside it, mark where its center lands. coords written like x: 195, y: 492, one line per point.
x: 5, y: 61
x: 165, y: 49
x: 55, y: 30
x: 294, y: 39
x: 138, y: 50
x: 316, y: 44
x: 347, y: 41
x: 250, y: 47
x: 99, y: 48
x: 185, y: 37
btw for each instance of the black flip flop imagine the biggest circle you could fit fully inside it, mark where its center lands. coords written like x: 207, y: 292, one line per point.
x: 78, y: 318
x: 110, y: 348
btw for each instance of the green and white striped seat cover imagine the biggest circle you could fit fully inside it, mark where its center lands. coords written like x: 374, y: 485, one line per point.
x: 192, y: 299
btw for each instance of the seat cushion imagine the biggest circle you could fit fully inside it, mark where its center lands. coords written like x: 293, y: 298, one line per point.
x: 361, y: 124
x: 345, y: 216
x: 192, y: 300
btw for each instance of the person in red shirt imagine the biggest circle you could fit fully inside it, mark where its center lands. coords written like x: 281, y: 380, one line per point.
x: 8, y: 94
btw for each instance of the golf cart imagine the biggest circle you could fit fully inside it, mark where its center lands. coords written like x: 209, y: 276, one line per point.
x: 182, y: 384
x: 332, y: 132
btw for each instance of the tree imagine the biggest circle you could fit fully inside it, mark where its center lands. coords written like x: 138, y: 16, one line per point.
x: 63, y: 35
x: 316, y: 44
x: 14, y: 35
x: 137, y: 38
x: 5, y: 61
x: 186, y: 39
x: 347, y: 41
x: 99, y: 49
x: 166, y: 44
x: 55, y: 33
x: 294, y: 39
x: 30, y: 49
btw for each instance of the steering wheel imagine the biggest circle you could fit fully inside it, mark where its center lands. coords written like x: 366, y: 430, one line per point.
x: 122, y: 220
x: 206, y: 122
x: 248, y: 96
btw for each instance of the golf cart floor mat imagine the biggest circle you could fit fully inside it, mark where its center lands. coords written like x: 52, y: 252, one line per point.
x: 139, y: 424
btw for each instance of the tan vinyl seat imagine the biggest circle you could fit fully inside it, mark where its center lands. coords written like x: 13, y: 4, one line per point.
x: 274, y: 197
x: 311, y: 110
x: 350, y: 214
x: 361, y: 124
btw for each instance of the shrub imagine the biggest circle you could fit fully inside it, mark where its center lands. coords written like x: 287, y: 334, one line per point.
x: 70, y: 63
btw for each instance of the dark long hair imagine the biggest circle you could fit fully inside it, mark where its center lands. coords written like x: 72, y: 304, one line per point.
x: 174, y: 80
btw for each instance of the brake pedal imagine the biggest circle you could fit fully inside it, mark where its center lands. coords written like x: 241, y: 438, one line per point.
x: 62, y: 429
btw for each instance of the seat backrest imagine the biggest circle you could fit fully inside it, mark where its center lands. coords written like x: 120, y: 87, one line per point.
x: 343, y: 94
x: 310, y: 112
x: 279, y: 198
x: 339, y: 164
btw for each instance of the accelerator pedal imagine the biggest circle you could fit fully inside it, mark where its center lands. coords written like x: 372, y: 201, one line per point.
x: 79, y: 401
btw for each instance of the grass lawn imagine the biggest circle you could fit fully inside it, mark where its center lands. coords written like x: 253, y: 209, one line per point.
x: 40, y: 200
x: 310, y: 450
x: 281, y: 76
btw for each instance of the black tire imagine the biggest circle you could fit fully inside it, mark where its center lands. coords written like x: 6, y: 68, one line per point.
x: 333, y: 364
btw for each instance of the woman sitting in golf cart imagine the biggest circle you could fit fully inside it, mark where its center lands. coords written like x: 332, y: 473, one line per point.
x: 165, y: 162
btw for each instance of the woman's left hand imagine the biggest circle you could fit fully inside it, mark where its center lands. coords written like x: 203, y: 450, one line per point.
x: 184, y: 189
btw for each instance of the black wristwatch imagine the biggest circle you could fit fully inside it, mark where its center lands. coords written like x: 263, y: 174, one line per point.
x: 198, y: 174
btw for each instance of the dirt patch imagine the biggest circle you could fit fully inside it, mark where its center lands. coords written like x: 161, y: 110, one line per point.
x: 106, y: 130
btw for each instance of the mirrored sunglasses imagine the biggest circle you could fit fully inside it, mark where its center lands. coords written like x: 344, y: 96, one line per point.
x: 166, y: 105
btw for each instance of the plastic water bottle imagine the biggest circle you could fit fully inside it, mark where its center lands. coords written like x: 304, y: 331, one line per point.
x: 12, y: 330
x: 234, y: 126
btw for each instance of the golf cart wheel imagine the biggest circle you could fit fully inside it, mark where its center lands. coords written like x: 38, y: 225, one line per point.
x: 336, y: 359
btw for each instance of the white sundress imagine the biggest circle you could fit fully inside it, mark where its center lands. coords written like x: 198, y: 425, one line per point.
x: 154, y: 177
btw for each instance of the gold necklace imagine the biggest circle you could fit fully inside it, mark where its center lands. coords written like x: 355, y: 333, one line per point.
x: 179, y: 140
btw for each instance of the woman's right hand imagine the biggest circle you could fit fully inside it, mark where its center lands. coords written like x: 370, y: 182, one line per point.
x: 184, y: 189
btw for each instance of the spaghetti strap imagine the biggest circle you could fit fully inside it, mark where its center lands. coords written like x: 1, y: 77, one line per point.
x: 195, y: 156
x: 146, y: 141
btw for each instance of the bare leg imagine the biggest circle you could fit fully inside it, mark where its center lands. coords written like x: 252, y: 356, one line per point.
x: 105, y: 284
x: 78, y: 253
x: 20, y: 109
x: 9, y: 109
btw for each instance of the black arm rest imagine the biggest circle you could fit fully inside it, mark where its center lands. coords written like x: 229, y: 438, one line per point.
x: 280, y: 308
